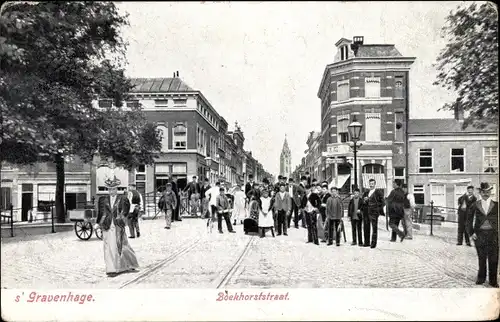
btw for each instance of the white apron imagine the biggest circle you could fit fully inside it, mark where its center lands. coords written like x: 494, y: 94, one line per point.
x: 266, y: 220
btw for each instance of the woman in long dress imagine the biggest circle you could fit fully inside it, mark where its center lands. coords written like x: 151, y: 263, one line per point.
x: 239, y: 205
x: 119, y: 256
x: 266, y: 215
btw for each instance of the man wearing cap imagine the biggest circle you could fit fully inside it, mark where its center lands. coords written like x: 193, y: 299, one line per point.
x: 112, y: 211
x: 466, y: 204
x: 282, y: 207
x: 334, y: 213
x: 222, y: 204
x: 395, y: 209
x: 167, y: 204
x: 136, y: 206
x: 483, y: 229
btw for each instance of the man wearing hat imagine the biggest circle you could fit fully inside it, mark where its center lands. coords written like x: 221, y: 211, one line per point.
x: 136, y: 206
x: 193, y: 191
x: 483, y: 229
x: 167, y: 204
x: 466, y: 204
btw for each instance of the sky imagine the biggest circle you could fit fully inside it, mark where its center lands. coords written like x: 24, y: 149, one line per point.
x: 261, y: 64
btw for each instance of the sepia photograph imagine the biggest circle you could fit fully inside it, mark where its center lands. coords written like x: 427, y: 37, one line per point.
x: 207, y: 161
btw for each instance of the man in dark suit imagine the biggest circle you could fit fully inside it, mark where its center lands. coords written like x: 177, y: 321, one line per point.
x: 354, y: 212
x: 395, y: 209
x: 249, y: 185
x: 175, y: 213
x: 484, y: 233
x: 299, y: 197
x: 193, y: 190
x: 466, y: 204
x: 373, y: 205
x: 292, y: 191
x: 204, y: 202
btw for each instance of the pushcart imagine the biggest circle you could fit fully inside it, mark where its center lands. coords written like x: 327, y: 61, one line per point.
x: 85, y: 220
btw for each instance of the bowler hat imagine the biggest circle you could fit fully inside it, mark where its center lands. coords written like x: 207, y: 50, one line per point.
x: 485, y: 186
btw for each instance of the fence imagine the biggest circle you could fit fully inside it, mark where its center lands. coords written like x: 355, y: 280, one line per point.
x: 435, y: 216
x: 42, y: 214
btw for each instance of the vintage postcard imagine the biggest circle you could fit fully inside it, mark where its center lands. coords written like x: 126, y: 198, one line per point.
x: 248, y: 161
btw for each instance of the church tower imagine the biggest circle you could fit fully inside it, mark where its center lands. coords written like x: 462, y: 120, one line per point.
x: 286, y: 160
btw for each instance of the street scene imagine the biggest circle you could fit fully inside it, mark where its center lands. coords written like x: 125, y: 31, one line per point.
x: 249, y: 145
x: 192, y: 258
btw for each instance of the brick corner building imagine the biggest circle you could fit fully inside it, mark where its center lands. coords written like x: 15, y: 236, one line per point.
x: 369, y: 83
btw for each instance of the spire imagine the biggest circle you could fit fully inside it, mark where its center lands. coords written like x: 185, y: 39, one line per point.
x: 285, y: 149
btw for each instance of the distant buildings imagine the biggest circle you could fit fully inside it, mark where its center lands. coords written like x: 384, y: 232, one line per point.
x: 285, y: 160
x: 196, y: 142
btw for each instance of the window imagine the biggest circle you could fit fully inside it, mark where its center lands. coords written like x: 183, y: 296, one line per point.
x: 457, y: 160
x: 372, y: 87
x: 398, y: 127
x: 140, y: 179
x: 490, y: 159
x: 164, y: 138
x: 161, y: 102
x: 342, y: 131
x: 399, y: 173
x: 180, y: 102
x: 46, y: 196
x: 105, y: 103
x: 5, y: 200
x: 343, y: 90
x: 133, y: 103
x: 438, y: 195
x: 180, y: 137
x: 373, y: 168
x: 419, y: 194
x: 425, y: 161
x: 372, y: 124
x: 398, y: 87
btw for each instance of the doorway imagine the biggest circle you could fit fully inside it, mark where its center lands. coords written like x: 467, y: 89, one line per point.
x: 26, y: 205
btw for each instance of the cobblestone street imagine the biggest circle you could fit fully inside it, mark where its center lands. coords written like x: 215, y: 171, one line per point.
x: 188, y: 257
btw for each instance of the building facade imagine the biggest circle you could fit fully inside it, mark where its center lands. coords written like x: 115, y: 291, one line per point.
x: 195, y: 142
x: 445, y: 159
x: 285, y: 160
x: 367, y: 83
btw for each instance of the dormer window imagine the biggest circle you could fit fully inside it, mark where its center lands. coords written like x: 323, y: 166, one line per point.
x: 344, y: 52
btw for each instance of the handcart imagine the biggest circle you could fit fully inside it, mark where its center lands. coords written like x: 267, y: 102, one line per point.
x: 84, y: 220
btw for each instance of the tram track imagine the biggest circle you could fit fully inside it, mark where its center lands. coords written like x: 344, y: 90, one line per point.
x: 222, y: 282
x: 153, y: 268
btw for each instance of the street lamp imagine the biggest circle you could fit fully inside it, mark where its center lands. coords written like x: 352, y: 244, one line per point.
x: 208, y: 161
x: 355, y: 132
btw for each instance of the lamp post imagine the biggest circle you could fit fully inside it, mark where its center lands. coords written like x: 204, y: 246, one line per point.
x: 355, y: 132
x: 208, y: 160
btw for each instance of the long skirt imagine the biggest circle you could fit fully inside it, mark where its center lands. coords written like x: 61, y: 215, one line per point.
x: 118, y: 254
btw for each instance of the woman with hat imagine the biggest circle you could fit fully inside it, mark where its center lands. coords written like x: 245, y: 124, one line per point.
x: 112, y: 210
x: 484, y: 233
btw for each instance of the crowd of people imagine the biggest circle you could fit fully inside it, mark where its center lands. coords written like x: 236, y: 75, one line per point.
x: 310, y: 204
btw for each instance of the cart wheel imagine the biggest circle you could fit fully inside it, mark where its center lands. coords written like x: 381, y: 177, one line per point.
x: 83, y: 230
x: 98, y: 233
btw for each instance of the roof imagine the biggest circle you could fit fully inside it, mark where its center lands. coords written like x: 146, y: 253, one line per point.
x: 159, y: 85
x: 378, y: 51
x: 445, y: 126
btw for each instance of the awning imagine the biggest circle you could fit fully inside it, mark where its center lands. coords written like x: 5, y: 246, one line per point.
x: 342, y: 178
x: 379, y: 180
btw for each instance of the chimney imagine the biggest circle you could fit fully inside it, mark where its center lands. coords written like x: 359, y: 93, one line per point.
x: 174, y: 75
x: 357, y: 41
x: 177, y: 73
x: 459, y: 113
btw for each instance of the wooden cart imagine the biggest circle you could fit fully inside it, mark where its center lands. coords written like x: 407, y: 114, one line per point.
x: 85, y: 220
